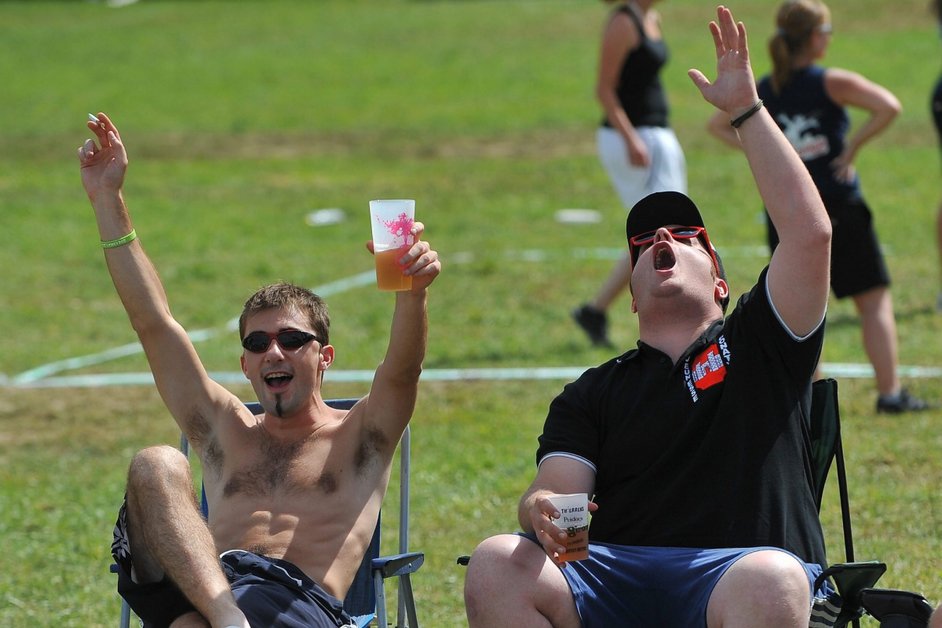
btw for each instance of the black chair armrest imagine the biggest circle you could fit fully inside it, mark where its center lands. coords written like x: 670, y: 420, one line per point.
x: 398, y: 564
x: 851, y: 578
x: 896, y: 609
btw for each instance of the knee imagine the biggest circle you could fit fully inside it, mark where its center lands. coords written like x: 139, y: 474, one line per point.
x: 158, y: 465
x: 786, y: 577
x: 488, y: 561
x: 768, y: 585
x: 778, y: 578
x: 495, y: 565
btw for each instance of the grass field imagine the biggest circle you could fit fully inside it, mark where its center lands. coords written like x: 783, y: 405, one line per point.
x: 241, y: 118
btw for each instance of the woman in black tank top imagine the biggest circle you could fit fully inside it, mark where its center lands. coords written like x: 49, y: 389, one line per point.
x: 636, y: 145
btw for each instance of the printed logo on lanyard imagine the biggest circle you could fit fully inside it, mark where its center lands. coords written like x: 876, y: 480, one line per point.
x: 707, y: 369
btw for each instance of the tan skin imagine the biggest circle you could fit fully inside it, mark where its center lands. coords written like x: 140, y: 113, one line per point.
x: 668, y: 270
x: 306, y: 486
x: 302, y: 481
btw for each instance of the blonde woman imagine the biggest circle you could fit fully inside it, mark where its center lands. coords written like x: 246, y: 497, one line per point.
x: 636, y: 145
x: 809, y: 103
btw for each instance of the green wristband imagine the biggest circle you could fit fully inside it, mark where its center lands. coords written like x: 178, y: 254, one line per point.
x: 113, y: 244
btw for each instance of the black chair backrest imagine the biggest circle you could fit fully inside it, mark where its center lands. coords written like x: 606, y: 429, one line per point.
x: 825, y: 433
x: 826, y: 448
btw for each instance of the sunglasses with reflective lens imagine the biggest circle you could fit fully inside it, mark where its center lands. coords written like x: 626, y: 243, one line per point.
x: 259, y: 341
x: 678, y: 233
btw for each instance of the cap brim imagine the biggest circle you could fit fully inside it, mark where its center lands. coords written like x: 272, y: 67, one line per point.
x: 661, y: 209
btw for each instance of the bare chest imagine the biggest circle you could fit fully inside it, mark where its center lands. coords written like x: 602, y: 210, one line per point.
x: 322, y: 462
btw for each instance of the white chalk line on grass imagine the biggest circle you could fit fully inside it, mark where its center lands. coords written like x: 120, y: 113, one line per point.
x: 563, y: 373
x: 45, y: 376
x: 48, y: 370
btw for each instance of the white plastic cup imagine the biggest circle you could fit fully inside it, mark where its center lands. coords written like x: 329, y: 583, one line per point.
x: 574, y: 520
x: 391, y: 221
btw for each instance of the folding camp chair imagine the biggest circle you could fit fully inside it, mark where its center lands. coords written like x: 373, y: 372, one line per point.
x: 366, y: 599
x: 853, y: 580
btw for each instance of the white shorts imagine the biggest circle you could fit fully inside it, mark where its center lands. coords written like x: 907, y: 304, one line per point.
x: 667, y: 172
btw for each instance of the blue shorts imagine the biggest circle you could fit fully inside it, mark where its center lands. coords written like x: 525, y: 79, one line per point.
x: 621, y: 585
x: 271, y: 592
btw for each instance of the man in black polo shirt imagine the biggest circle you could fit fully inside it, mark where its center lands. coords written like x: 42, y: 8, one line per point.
x: 693, y: 446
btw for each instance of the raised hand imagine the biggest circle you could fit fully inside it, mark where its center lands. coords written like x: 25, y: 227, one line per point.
x: 104, y: 164
x: 734, y: 90
x: 422, y: 261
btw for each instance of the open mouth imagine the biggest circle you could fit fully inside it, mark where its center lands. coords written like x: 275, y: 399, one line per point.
x: 663, y: 256
x: 277, y: 380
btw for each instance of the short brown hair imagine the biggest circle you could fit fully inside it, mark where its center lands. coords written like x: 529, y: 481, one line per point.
x: 293, y: 298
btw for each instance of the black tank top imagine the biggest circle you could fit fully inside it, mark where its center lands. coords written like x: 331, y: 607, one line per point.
x: 815, y: 125
x: 639, y: 85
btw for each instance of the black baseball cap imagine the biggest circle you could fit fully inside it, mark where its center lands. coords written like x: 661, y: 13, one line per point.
x: 669, y: 208
x: 659, y: 209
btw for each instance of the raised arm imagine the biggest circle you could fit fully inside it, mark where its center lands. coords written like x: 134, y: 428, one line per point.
x: 799, y: 280
x: 395, y: 385
x: 180, y: 377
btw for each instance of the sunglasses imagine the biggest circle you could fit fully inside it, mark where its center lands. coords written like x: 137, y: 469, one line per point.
x: 678, y: 233
x: 290, y: 340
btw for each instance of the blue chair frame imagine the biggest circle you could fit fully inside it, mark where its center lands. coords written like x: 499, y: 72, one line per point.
x: 366, y: 599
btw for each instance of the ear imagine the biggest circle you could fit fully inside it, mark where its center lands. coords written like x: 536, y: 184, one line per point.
x: 326, y: 357
x: 242, y: 363
x: 720, y: 290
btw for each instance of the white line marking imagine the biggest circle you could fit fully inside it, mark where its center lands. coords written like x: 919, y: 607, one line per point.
x: 44, y: 376
x: 562, y: 373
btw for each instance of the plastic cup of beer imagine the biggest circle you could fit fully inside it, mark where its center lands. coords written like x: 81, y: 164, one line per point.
x: 574, y: 521
x: 392, y: 238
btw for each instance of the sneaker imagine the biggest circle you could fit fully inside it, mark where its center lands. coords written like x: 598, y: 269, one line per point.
x: 903, y: 402
x: 594, y: 323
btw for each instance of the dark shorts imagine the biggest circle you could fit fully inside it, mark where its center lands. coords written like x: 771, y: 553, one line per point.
x: 621, y: 585
x: 857, y: 263
x: 270, y: 591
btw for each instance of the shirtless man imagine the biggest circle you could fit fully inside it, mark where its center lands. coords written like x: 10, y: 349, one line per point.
x: 294, y: 492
